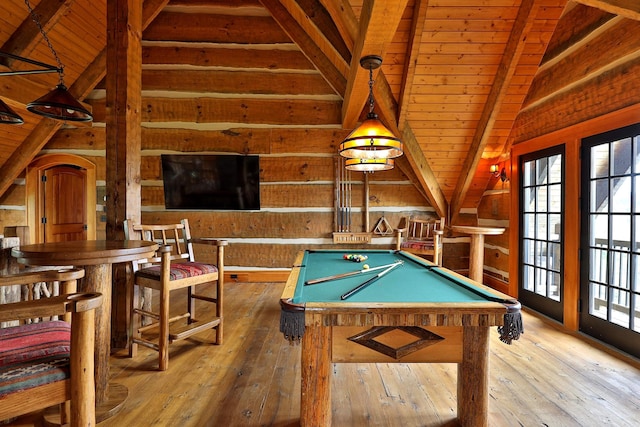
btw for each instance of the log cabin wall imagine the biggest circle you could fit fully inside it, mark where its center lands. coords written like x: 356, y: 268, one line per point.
x: 297, y: 180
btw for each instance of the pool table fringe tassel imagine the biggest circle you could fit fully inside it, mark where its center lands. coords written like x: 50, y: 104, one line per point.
x: 513, y: 327
x: 292, y: 325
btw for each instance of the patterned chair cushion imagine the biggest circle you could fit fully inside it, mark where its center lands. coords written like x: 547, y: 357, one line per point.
x: 180, y: 270
x: 417, y: 245
x: 33, y: 355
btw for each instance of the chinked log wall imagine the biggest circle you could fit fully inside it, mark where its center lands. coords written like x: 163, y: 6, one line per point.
x: 297, y: 180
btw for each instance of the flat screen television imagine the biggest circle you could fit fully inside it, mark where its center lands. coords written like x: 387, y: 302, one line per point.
x: 211, y: 182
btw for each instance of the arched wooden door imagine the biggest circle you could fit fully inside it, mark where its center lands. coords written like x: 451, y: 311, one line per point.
x: 65, y: 213
x: 61, y: 198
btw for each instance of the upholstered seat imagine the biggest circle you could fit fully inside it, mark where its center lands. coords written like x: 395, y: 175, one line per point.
x: 33, y: 355
x: 48, y: 361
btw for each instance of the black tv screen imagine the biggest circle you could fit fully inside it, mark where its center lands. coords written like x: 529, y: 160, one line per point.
x: 211, y: 182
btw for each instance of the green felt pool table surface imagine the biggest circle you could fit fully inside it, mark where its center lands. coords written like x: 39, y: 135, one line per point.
x: 414, y: 281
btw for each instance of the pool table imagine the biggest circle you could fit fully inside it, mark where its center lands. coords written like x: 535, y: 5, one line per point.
x: 414, y: 311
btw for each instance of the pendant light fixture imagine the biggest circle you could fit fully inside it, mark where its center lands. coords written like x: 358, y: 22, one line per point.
x: 8, y: 116
x: 369, y: 165
x: 372, y: 139
x: 57, y: 104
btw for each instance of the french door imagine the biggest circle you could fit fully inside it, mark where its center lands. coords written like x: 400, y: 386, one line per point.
x: 610, y: 241
x: 541, y: 225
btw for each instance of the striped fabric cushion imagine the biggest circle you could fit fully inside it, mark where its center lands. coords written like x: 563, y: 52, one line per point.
x: 417, y: 245
x: 181, y: 270
x: 33, y: 355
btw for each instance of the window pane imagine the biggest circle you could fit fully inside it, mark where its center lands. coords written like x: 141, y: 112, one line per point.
x: 599, y: 230
x: 555, y: 169
x: 528, y: 255
x: 541, y: 171
x: 600, y: 161
x: 598, y: 301
x: 636, y: 150
x: 621, y: 157
x: 541, y: 254
x: 541, y: 226
x: 529, y: 202
x: 554, y: 257
x: 599, y: 196
x: 555, y: 198
x: 555, y: 227
x: 621, y: 230
x: 636, y: 273
x: 528, y: 171
x: 541, y: 199
x: 620, y: 308
x: 621, y: 194
x: 554, y: 286
x: 528, y: 273
x: 528, y: 226
x: 598, y: 265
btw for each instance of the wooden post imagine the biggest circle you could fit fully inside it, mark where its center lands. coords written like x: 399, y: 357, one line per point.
x: 315, y: 402
x: 123, y: 137
x: 82, y: 383
x: 473, y: 377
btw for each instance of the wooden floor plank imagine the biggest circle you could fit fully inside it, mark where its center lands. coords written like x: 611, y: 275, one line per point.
x: 548, y: 377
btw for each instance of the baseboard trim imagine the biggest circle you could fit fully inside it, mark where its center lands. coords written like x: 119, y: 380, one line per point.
x: 253, y: 276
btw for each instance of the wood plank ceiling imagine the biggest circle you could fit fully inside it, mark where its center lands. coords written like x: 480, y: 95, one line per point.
x: 455, y: 75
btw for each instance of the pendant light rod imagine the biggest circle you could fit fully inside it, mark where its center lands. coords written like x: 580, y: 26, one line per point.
x: 46, y: 68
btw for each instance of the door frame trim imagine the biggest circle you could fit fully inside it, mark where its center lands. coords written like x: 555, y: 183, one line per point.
x: 35, y: 207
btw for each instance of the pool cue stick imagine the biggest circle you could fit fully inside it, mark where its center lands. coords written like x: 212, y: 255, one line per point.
x: 351, y: 273
x: 370, y: 281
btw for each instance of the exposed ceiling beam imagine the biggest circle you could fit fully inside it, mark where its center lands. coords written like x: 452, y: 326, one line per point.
x: 627, y: 8
x: 308, y: 45
x: 318, y: 15
x: 415, y: 38
x: 25, y: 38
x: 515, y: 46
x: 344, y: 18
x: 46, y: 128
x: 379, y: 21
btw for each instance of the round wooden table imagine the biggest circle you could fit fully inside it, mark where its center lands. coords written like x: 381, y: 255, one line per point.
x: 96, y: 257
x: 476, y: 247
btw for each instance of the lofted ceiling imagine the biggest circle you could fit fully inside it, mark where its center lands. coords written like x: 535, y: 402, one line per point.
x: 455, y: 74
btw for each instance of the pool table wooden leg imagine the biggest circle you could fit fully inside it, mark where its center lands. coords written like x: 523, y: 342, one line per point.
x: 473, y: 377
x: 315, y: 402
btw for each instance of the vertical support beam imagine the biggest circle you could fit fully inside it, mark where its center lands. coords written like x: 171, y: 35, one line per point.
x: 123, y: 139
x: 473, y: 377
x: 315, y: 401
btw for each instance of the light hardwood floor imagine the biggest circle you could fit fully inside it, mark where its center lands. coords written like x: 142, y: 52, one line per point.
x: 547, y: 378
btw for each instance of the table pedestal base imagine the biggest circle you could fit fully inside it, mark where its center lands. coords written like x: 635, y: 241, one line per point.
x: 118, y: 394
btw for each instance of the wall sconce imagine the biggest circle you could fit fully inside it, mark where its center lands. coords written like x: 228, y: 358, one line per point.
x: 372, y: 139
x: 57, y: 104
x: 498, y: 173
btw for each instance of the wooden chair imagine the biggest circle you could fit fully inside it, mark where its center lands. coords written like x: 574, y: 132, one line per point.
x: 421, y: 237
x: 45, y: 361
x: 174, y: 267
